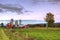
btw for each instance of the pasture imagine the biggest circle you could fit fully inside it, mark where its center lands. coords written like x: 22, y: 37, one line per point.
x: 30, y: 34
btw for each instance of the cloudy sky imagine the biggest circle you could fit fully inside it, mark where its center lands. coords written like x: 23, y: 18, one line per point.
x: 29, y: 9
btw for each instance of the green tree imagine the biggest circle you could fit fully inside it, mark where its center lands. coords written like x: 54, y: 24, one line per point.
x: 49, y: 19
x: 2, y: 24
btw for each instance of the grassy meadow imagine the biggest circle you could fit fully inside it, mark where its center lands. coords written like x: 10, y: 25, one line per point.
x: 30, y: 34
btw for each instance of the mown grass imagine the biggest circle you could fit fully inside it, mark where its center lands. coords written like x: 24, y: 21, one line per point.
x: 35, y: 33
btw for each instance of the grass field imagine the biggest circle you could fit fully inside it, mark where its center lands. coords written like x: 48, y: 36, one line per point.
x: 30, y: 34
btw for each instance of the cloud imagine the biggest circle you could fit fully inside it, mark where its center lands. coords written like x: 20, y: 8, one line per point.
x: 1, y: 10
x: 38, y: 1
x: 12, y: 8
x: 50, y: 1
x: 35, y: 1
x: 54, y: 1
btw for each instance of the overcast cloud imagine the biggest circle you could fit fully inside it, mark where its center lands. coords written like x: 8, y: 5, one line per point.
x: 12, y: 8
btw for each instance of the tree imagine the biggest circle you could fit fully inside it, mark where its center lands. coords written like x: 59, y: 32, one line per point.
x: 49, y: 19
x: 2, y: 24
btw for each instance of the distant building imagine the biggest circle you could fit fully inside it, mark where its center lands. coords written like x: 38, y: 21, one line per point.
x: 20, y: 22
x: 12, y: 21
x: 16, y: 23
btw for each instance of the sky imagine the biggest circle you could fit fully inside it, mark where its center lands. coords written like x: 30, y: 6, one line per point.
x: 29, y: 9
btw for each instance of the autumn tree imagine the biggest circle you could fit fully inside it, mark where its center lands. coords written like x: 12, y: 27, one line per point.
x: 49, y: 19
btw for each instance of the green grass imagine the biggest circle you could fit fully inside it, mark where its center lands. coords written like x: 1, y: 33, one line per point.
x: 37, y: 34
x: 42, y: 34
x: 3, y: 36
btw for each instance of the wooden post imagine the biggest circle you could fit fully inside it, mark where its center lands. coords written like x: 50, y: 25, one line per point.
x: 47, y: 26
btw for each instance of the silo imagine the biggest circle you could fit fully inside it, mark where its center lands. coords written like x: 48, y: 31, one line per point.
x: 20, y: 22
x: 12, y: 22
x: 16, y: 23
